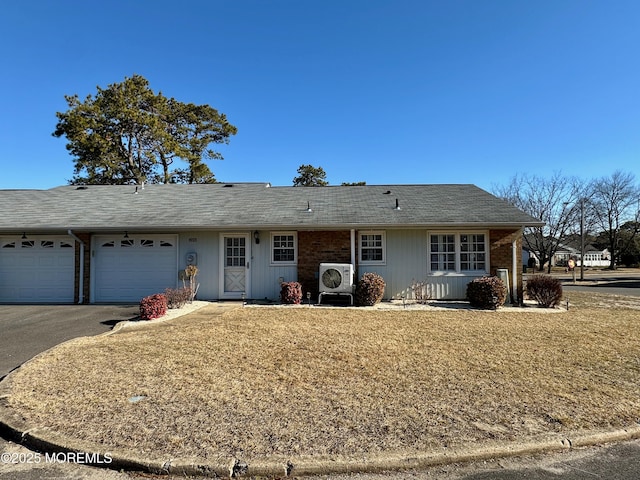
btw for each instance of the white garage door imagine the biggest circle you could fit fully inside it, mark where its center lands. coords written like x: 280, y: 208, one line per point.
x: 37, y: 269
x: 128, y: 269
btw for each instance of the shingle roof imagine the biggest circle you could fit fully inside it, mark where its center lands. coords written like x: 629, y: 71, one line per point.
x: 245, y: 205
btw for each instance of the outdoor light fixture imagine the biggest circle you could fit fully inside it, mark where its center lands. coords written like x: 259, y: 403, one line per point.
x: 243, y: 297
x: 309, y: 298
x: 24, y: 235
x: 256, y: 236
x: 126, y: 234
x: 309, y: 207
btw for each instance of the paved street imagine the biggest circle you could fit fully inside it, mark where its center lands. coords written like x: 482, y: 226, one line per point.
x: 608, y: 462
x: 607, y: 286
x: 615, y: 282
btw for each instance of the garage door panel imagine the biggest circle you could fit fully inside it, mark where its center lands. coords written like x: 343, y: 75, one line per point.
x: 126, y: 270
x: 27, y: 261
x: 37, y: 270
x: 47, y: 262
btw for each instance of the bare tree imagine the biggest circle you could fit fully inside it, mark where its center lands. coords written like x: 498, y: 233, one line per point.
x: 555, y: 201
x: 616, y: 201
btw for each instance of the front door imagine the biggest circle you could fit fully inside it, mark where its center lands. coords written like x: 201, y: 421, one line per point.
x: 235, y: 257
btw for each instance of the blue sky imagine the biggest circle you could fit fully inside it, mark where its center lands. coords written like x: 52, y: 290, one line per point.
x: 382, y: 91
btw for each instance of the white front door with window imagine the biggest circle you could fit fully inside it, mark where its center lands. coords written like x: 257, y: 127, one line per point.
x: 234, y: 272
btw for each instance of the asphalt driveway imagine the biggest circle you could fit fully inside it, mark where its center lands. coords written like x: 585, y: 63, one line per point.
x: 27, y: 330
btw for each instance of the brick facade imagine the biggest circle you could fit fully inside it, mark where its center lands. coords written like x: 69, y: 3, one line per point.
x: 316, y: 247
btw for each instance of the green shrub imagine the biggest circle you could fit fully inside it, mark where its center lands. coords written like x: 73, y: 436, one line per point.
x: 290, y: 293
x: 545, y: 290
x: 370, y: 289
x: 486, y: 292
x: 153, y: 306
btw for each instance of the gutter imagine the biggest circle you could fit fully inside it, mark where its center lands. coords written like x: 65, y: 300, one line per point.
x: 81, y: 274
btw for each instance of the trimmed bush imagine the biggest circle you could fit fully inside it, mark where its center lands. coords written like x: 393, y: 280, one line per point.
x: 486, y: 292
x: 370, y: 289
x: 178, y: 297
x: 290, y: 293
x: 153, y: 306
x: 545, y: 290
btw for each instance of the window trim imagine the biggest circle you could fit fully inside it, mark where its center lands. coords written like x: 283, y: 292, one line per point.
x: 458, y: 251
x: 383, y: 237
x: 272, y: 248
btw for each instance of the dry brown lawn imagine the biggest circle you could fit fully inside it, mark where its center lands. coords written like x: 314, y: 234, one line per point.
x: 279, y: 382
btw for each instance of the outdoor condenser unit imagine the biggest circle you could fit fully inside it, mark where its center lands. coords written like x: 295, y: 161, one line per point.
x: 336, y: 278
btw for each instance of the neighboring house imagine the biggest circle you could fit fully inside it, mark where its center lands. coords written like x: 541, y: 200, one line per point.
x: 120, y: 243
x: 593, y: 257
x: 570, y: 249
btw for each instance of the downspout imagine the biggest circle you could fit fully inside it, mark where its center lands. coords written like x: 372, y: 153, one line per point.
x: 81, y: 274
x: 353, y: 247
x: 353, y: 258
x: 514, y: 266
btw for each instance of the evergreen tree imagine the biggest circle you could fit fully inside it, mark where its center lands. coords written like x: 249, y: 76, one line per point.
x: 126, y: 134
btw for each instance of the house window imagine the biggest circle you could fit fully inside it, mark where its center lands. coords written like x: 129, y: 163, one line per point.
x: 126, y: 243
x: 458, y: 252
x: 9, y: 245
x: 46, y: 244
x: 372, y: 247
x: 146, y: 243
x: 283, y: 248
x: 443, y: 253
x: 28, y: 243
x: 472, y: 252
x: 236, y: 251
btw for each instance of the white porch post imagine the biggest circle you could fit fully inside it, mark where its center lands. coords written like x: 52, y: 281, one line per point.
x: 514, y: 266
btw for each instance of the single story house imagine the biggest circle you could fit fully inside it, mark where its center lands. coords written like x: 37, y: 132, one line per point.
x: 119, y: 243
x: 570, y: 249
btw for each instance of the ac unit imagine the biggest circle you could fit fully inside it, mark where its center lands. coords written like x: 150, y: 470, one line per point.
x: 336, y: 278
